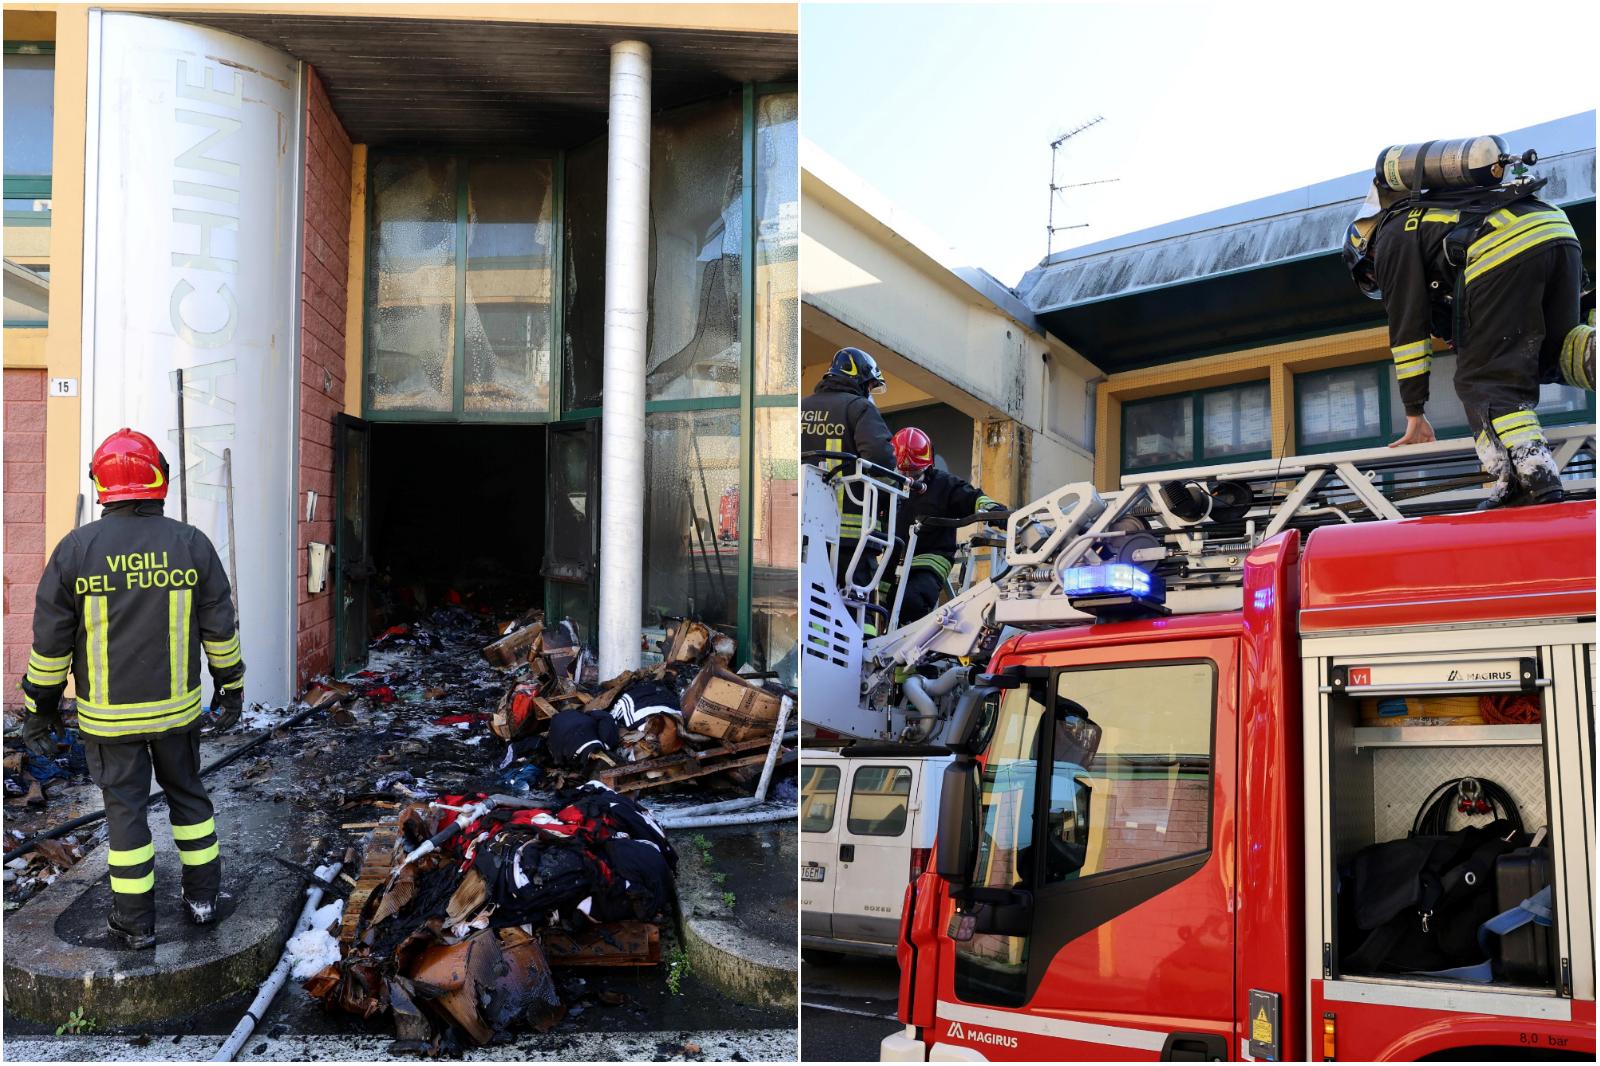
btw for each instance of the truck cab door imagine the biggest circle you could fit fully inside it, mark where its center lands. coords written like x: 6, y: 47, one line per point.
x: 1100, y: 924
x: 820, y: 782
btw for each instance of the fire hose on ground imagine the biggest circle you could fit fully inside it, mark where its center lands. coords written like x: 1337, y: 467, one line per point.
x: 280, y: 973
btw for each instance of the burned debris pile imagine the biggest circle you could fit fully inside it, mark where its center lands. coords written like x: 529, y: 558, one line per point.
x: 477, y: 890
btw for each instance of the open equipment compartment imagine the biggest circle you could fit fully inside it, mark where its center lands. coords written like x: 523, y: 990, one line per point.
x: 1374, y: 780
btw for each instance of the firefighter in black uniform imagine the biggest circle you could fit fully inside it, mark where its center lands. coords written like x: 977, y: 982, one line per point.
x: 840, y: 416
x: 1497, y: 271
x: 127, y: 605
x: 934, y: 493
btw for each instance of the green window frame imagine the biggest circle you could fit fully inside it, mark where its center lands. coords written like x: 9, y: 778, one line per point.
x: 1196, y: 398
x: 747, y: 401
x: 1382, y: 372
x: 458, y: 412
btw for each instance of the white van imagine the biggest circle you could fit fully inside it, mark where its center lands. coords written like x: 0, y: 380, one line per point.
x: 867, y: 822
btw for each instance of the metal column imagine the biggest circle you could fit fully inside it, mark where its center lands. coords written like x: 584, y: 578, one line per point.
x: 622, y: 456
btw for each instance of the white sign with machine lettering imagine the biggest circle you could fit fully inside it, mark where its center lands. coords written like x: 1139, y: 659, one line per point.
x: 192, y: 235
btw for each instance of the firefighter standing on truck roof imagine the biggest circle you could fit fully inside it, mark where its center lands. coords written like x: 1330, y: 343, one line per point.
x: 934, y: 493
x: 840, y: 416
x: 1492, y: 268
x: 126, y: 604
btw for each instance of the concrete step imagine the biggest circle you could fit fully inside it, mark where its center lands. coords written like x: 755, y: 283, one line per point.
x: 59, y: 956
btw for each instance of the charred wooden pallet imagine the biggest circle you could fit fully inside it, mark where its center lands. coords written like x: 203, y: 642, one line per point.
x: 377, y: 862
x: 684, y: 765
x: 611, y: 944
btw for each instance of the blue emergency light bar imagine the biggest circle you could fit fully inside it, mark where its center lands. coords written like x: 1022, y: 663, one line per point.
x: 1114, y: 588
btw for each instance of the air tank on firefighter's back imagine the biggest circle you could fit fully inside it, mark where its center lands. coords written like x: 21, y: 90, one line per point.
x: 1461, y: 163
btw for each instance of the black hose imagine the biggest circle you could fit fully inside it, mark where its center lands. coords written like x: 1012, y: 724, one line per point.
x: 66, y: 827
x: 1434, y: 814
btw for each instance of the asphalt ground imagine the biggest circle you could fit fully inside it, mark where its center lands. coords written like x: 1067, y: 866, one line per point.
x: 847, y: 1006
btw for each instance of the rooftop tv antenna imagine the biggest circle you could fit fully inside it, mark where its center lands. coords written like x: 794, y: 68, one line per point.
x: 1051, y: 229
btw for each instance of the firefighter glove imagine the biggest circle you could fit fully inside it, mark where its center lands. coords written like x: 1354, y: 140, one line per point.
x: 37, y: 725
x: 229, y: 705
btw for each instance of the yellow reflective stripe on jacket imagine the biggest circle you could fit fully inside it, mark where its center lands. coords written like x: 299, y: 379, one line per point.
x: 222, y: 653
x: 132, y: 856
x: 48, y: 669
x: 199, y: 858
x: 134, y: 886
x: 178, y: 640
x: 937, y: 563
x: 94, y: 612
x: 1573, y: 348
x: 985, y: 502
x: 194, y: 832
x: 1504, y: 245
x: 123, y: 719
x: 1414, y: 359
x: 1437, y: 214
x: 1519, y: 427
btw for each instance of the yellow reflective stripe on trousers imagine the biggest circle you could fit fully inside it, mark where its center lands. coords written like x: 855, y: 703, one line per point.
x: 134, y: 886
x: 1519, y: 427
x: 196, y: 831
x: 1573, y: 348
x: 178, y: 640
x: 199, y: 858
x: 937, y: 563
x: 132, y: 856
x: 94, y: 611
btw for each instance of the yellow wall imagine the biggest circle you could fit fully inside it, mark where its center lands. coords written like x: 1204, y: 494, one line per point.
x: 738, y: 18
x: 1276, y: 363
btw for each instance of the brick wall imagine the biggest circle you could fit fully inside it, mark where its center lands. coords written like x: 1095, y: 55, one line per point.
x: 323, y: 295
x: 24, y: 519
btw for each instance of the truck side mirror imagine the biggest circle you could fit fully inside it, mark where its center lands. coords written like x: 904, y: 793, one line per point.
x: 957, y: 852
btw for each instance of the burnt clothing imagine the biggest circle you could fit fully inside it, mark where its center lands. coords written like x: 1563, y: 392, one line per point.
x: 623, y: 815
x: 127, y: 605
x: 838, y: 417
x: 575, y: 736
x: 122, y: 770
x: 1441, y: 263
x: 644, y: 881
x: 642, y: 699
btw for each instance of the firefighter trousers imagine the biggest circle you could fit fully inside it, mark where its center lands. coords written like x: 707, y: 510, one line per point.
x: 923, y: 586
x: 1515, y: 320
x: 123, y: 773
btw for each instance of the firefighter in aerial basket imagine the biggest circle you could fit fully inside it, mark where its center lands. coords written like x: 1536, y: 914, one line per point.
x: 127, y: 605
x: 934, y: 493
x: 1458, y: 255
x: 841, y: 416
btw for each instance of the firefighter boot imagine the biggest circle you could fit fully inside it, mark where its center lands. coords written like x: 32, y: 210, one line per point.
x: 1505, y: 491
x: 1534, y: 470
x: 201, y: 912
x: 130, y: 936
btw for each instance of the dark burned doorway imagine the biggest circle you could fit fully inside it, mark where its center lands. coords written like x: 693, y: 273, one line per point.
x: 454, y: 514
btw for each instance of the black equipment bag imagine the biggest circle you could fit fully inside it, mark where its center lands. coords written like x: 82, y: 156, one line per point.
x: 1523, y: 955
x: 1414, y: 905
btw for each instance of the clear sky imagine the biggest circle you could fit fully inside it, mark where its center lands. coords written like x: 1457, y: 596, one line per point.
x: 949, y: 110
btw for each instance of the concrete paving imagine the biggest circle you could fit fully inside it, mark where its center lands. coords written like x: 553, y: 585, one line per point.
x: 747, y: 949
x: 723, y: 1045
x: 59, y: 956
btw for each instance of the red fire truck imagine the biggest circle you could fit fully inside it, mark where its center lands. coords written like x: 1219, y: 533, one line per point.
x: 1171, y: 887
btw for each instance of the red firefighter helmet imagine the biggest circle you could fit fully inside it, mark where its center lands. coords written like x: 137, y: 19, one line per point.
x: 128, y: 466
x: 913, y: 451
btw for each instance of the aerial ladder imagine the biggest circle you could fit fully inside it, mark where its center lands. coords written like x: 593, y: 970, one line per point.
x: 1075, y: 556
